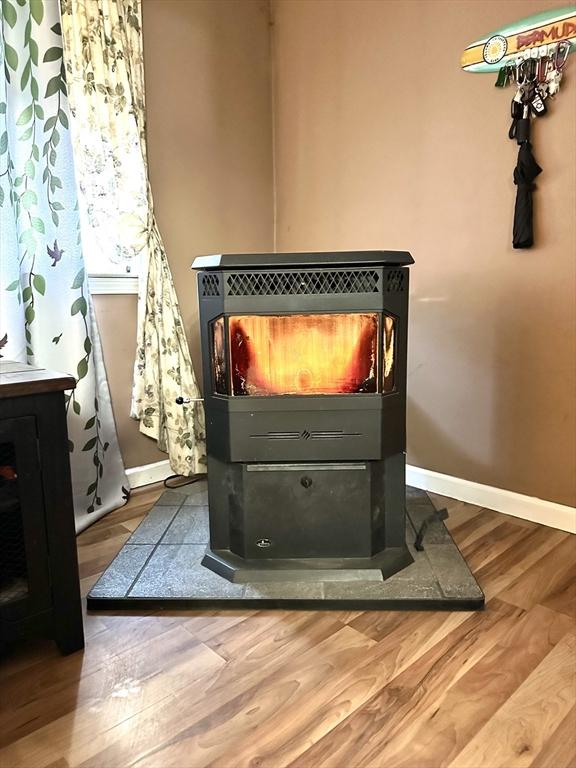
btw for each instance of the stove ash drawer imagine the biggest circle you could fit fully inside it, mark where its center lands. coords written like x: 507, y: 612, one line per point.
x: 303, y: 510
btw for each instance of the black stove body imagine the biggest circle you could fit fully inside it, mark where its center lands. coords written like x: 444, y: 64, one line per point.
x: 304, y: 359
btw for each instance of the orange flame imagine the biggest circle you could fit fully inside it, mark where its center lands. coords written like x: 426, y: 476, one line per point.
x: 303, y: 354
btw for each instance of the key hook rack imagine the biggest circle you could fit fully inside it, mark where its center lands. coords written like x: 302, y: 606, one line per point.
x: 531, y: 55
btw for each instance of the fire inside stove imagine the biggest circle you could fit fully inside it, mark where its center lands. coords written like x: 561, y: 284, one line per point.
x: 303, y: 354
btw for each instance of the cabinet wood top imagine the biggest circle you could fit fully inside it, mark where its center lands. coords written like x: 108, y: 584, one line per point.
x: 17, y: 379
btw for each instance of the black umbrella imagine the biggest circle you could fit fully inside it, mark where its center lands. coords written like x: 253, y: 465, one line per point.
x: 524, y: 174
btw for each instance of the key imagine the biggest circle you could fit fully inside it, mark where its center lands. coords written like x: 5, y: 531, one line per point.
x: 502, y: 79
x: 516, y: 111
x: 553, y: 80
x: 542, y: 69
x: 517, y: 107
x: 537, y: 105
x: 561, y: 54
x: 528, y: 92
x: 543, y: 90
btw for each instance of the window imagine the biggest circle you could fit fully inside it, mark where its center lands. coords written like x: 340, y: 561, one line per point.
x: 112, y: 266
x: 113, y: 204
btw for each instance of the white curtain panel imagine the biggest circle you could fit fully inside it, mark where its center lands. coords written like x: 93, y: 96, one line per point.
x: 46, y: 314
x: 105, y: 75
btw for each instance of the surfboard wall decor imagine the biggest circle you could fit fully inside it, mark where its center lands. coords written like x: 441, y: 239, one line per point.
x: 491, y: 53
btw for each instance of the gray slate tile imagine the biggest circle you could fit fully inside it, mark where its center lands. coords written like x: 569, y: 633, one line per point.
x: 183, y: 494
x: 418, y: 572
x: 193, y: 494
x: 169, y: 499
x: 452, y: 572
x: 418, y: 510
x: 289, y: 590
x: 387, y: 590
x: 190, y: 526
x: 416, y: 495
x: 200, y: 498
x: 117, y: 578
x: 174, y: 570
x: 153, y: 527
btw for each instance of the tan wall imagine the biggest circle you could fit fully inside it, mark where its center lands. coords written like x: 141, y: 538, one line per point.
x: 383, y: 142
x: 208, y: 94
x: 116, y: 316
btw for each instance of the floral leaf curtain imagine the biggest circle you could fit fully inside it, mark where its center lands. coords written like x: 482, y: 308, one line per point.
x: 46, y: 315
x: 105, y: 75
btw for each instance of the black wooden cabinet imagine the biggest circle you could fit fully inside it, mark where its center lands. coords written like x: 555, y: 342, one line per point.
x: 39, y: 585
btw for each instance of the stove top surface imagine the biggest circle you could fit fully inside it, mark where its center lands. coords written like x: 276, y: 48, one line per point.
x: 267, y: 261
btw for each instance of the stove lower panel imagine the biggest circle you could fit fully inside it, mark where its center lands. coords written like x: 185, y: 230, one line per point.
x: 289, y: 518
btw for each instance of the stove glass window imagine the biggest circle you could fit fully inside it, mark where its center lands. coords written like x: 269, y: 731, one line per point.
x: 315, y: 354
x: 388, y: 347
x: 219, y: 374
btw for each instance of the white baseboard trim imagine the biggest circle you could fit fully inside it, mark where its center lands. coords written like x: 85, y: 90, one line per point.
x: 511, y: 503
x: 149, y: 473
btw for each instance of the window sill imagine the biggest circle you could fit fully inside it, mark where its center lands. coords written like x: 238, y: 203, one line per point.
x: 100, y: 284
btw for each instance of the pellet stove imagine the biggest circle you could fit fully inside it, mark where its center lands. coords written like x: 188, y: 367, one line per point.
x: 304, y: 359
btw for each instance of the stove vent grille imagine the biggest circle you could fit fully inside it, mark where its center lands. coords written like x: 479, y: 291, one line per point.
x: 396, y: 281
x: 303, y: 283
x: 210, y: 285
x: 305, y: 434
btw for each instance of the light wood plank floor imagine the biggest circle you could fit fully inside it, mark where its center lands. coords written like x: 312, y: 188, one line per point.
x: 267, y: 689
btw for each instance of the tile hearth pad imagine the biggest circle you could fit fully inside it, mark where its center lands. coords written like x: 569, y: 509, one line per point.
x: 160, y: 565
